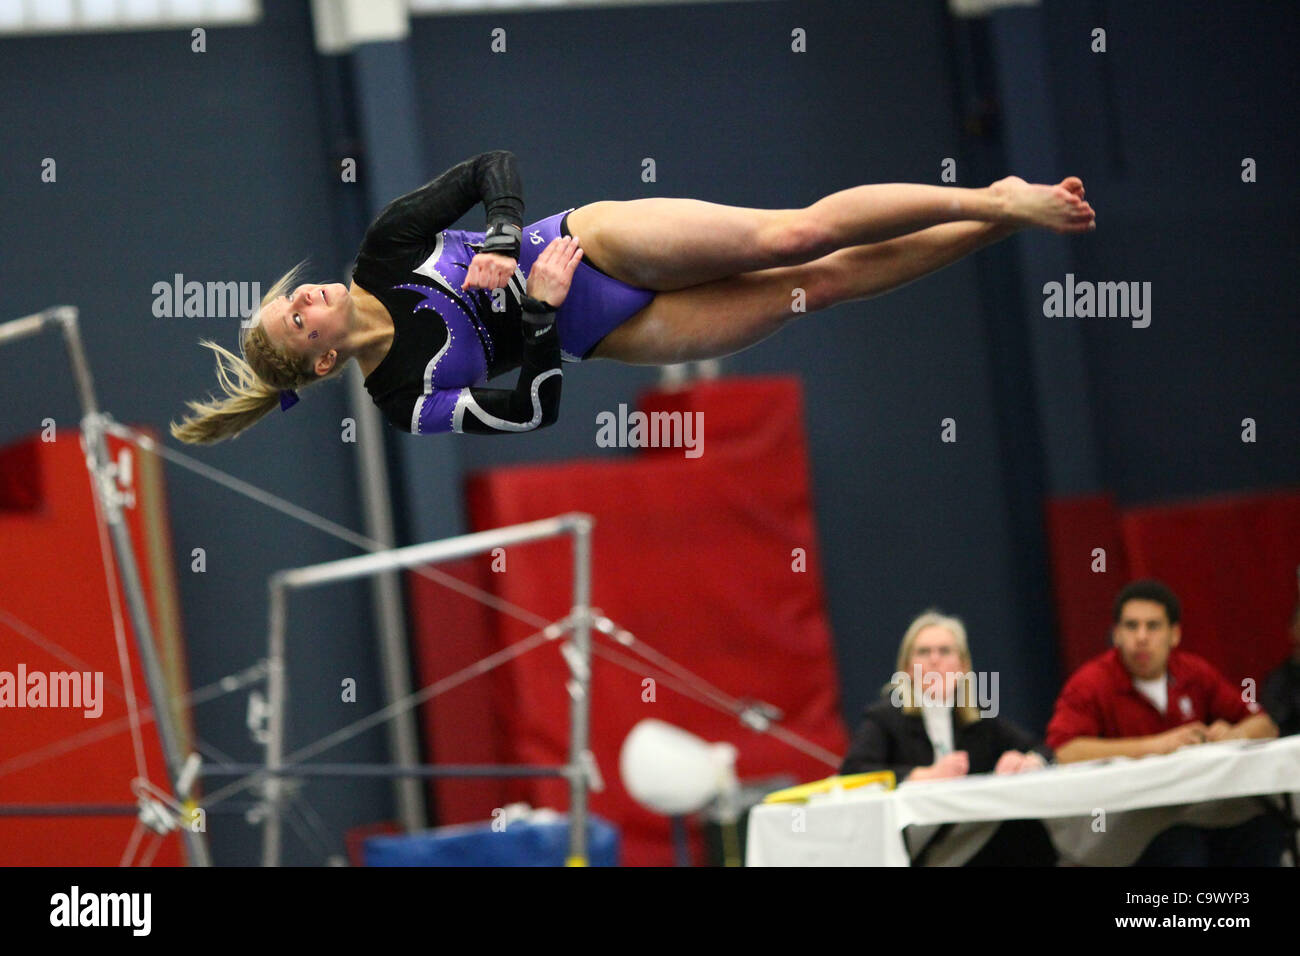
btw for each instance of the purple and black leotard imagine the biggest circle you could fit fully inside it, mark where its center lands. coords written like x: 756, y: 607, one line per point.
x: 449, y: 341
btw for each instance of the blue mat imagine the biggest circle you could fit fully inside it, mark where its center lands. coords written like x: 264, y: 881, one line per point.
x: 519, y: 844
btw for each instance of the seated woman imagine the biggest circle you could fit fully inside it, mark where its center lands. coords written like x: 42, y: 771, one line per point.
x: 927, y: 727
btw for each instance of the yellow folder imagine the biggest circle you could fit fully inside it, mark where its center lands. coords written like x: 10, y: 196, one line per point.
x: 851, y: 781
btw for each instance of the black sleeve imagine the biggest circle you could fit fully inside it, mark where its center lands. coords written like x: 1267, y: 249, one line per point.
x: 535, y: 401
x: 414, y: 220
x: 1012, y: 737
x: 870, y: 750
x: 1279, y: 700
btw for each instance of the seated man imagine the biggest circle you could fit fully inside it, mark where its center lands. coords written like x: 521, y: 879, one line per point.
x: 1146, y: 696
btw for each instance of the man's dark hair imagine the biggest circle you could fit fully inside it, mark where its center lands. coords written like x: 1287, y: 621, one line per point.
x: 1149, y: 589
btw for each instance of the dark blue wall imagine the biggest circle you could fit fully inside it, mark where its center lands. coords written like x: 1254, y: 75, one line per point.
x: 1158, y: 127
x: 213, y: 165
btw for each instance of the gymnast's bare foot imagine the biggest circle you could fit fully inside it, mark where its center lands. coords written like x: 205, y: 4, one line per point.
x: 1060, y: 208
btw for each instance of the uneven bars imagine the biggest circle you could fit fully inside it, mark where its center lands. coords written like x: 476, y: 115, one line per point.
x: 128, y: 573
x: 448, y: 549
x: 432, y: 552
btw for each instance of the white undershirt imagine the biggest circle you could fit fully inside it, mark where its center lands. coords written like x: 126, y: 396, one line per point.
x: 1156, y: 691
x: 938, y: 727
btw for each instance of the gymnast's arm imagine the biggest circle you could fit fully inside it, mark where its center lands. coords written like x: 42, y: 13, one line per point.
x: 533, y: 403
x: 418, y: 216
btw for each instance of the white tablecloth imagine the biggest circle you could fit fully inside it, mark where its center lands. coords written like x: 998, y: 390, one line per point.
x: 857, y: 828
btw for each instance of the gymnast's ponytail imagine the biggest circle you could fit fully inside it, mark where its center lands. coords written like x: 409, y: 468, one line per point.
x: 254, y: 384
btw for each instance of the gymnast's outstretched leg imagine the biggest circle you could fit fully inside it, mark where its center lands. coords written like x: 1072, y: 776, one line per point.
x: 727, y: 315
x: 666, y: 244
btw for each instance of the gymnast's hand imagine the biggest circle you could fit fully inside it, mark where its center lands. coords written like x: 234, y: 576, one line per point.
x: 489, y: 270
x: 553, y: 271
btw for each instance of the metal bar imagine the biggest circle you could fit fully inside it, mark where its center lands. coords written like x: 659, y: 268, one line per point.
x: 276, y: 701
x: 387, y: 770
x: 142, y: 625
x: 448, y: 549
x: 580, y: 692
x: 389, y: 618
x: 97, y: 459
x: 33, y: 324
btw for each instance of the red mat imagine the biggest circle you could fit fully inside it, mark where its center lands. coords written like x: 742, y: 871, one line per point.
x: 694, y: 555
x: 52, y: 582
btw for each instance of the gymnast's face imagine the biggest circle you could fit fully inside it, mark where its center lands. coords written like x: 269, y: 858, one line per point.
x: 935, y: 655
x: 310, y: 320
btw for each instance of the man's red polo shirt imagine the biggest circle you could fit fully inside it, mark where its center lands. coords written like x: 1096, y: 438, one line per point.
x: 1099, y: 700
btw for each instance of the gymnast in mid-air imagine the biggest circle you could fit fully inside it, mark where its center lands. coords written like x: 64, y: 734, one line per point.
x: 434, y: 312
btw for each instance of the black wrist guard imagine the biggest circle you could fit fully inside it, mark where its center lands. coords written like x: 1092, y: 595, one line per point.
x: 537, y: 312
x: 503, y: 238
